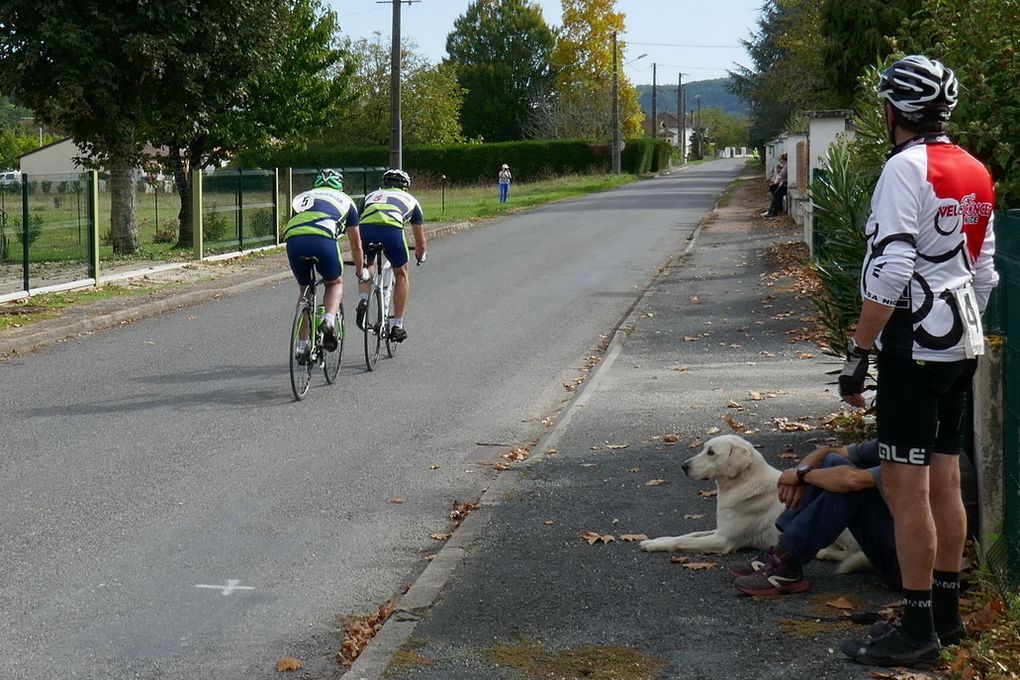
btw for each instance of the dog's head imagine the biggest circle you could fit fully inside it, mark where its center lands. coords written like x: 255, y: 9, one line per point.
x: 723, y: 457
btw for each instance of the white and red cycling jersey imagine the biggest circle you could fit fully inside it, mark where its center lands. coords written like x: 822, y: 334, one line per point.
x: 929, y: 234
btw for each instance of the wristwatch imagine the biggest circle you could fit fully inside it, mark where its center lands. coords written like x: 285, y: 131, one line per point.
x: 854, y: 350
x: 802, y: 470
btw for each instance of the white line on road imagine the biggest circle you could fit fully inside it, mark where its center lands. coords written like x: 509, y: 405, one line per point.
x: 229, y: 588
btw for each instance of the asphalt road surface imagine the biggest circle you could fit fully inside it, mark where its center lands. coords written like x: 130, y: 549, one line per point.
x: 170, y: 511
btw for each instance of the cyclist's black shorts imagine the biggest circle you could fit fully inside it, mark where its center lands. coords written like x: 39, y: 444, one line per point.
x: 920, y: 406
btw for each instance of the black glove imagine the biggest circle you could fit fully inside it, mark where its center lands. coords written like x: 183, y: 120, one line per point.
x: 855, y: 370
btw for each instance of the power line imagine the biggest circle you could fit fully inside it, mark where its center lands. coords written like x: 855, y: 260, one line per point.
x: 727, y: 47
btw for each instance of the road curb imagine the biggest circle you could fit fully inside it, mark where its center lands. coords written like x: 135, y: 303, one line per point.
x: 30, y: 342
x: 424, y: 593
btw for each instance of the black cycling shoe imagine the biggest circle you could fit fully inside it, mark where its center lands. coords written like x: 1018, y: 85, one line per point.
x: 361, y: 312
x: 329, y: 339
x: 895, y: 648
x: 398, y: 334
x: 950, y: 636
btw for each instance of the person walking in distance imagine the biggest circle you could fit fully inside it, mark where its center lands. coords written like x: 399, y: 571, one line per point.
x: 504, y: 183
x: 387, y: 211
x: 925, y: 280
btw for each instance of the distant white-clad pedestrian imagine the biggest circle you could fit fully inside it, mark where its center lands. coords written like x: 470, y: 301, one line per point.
x: 504, y: 183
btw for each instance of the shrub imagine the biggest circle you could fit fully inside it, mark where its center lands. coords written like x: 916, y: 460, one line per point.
x: 166, y: 232
x: 35, y: 224
x: 214, y: 226
x: 46, y: 185
x: 259, y: 223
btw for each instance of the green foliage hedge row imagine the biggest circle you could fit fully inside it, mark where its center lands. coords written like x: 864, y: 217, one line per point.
x: 477, y: 163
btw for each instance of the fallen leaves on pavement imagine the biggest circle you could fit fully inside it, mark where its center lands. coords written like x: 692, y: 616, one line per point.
x: 841, y: 603
x: 616, y: 447
x: 517, y: 454
x: 440, y: 535
x: 695, y: 516
x: 787, y: 425
x: 288, y: 664
x: 359, y: 631
x: 655, y: 482
x: 461, y: 511
x: 633, y: 538
x: 679, y: 559
x: 671, y: 438
x: 899, y: 674
x: 708, y: 494
x: 735, y: 424
x: 593, y: 537
x: 712, y: 430
x: 700, y: 566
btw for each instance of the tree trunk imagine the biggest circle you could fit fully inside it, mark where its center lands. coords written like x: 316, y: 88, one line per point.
x: 123, y: 225
x: 186, y: 229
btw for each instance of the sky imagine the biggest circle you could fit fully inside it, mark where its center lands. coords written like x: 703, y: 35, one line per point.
x: 699, y: 38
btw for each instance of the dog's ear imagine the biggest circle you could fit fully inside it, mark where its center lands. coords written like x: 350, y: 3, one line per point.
x: 741, y: 455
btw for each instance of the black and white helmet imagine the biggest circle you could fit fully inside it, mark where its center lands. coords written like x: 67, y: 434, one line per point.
x: 396, y: 178
x: 919, y: 88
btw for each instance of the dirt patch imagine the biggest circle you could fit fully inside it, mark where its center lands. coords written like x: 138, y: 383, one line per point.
x: 590, y: 661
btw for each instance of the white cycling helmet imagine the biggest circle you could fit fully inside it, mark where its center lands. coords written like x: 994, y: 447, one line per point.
x: 919, y: 88
x: 396, y: 178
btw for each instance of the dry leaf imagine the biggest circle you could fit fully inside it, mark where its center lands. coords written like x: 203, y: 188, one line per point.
x: 805, y: 355
x: 712, y: 430
x: 517, y: 454
x: 441, y: 536
x: 591, y: 537
x: 733, y: 404
x: 698, y: 516
x: 689, y: 338
x: 433, y: 467
x: 549, y: 522
x: 787, y: 425
x: 397, y: 501
x: 700, y: 566
x: 617, y: 446
x: 288, y: 664
x: 550, y: 452
x: 634, y: 469
x: 655, y: 482
x: 679, y: 559
x: 734, y: 424
x: 608, y: 538
x: 360, y: 630
x: 633, y: 538
x: 708, y: 494
x: 681, y: 369
x: 695, y: 443
x: 756, y: 396
x: 789, y: 456
x: 500, y: 466
x: 841, y: 603
x: 461, y: 510
x: 671, y: 438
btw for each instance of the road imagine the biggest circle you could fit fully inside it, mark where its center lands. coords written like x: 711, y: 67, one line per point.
x: 170, y: 511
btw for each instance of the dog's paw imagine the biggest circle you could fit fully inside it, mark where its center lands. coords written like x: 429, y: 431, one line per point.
x: 657, y: 545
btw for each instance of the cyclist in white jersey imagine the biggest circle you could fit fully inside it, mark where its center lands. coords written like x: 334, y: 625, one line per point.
x: 925, y: 281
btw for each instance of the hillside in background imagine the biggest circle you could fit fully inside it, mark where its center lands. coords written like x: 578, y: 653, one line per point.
x: 714, y: 93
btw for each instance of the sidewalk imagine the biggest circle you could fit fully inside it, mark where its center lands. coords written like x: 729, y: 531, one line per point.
x: 188, y: 284
x: 517, y: 593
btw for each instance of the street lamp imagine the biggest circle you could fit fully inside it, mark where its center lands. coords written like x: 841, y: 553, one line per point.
x: 615, y: 108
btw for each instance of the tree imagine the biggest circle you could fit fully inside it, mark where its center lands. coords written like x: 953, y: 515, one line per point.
x: 501, y: 51
x: 723, y: 129
x: 244, y: 74
x: 856, y: 35
x: 583, y: 61
x: 430, y: 99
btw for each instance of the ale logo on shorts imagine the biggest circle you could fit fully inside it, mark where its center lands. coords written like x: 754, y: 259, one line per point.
x: 915, y: 456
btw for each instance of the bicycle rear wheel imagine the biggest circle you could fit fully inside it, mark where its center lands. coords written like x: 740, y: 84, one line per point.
x: 331, y: 364
x: 301, y: 362
x: 375, y: 326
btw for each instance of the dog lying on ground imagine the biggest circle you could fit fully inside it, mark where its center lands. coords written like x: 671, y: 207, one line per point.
x: 747, y: 506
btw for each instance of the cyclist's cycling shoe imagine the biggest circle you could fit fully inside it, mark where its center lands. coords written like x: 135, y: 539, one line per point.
x: 362, y: 312
x: 303, y: 355
x: 398, y: 334
x: 329, y: 339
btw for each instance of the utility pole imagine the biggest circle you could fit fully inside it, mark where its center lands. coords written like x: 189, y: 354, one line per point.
x: 615, y: 117
x: 655, y: 112
x: 699, y: 130
x: 681, y: 120
x: 396, y: 125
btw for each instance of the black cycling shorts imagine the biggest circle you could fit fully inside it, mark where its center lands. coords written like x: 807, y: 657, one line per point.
x: 920, y: 407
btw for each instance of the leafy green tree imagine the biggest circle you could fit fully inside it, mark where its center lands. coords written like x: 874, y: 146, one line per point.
x: 430, y: 99
x: 241, y: 76
x: 723, y: 129
x: 501, y: 51
x: 15, y: 141
x: 979, y: 40
x: 583, y: 61
x: 856, y: 35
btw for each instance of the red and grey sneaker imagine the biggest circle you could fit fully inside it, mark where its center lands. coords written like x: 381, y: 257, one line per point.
x: 755, y: 564
x: 774, y: 578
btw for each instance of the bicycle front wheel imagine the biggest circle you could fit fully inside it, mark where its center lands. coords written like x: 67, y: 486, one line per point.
x: 301, y: 361
x: 331, y: 364
x: 375, y: 326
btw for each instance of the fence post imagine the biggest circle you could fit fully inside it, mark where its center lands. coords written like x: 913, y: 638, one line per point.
x: 93, y: 224
x: 196, y: 212
x: 240, y: 210
x: 24, y: 231
x: 276, y: 205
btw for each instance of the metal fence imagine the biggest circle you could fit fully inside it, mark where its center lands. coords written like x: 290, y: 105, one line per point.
x: 1004, y: 319
x: 55, y: 230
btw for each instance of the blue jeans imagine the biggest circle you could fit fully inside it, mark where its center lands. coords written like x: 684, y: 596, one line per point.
x: 823, y: 515
x: 504, y: 191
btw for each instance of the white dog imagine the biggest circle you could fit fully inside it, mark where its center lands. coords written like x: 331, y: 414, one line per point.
x: 747, y: 506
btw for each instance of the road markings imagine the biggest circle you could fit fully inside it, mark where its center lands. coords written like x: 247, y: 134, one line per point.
x: 232, y: 585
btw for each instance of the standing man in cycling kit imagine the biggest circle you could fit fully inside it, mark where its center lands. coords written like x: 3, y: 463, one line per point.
x: 925, y: 280
x: 387, y: 211
x: 322, y: 215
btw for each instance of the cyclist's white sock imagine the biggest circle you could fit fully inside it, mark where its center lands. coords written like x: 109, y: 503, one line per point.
x: 362, y: 296
x: 330, y: 319
x: 397, y: 322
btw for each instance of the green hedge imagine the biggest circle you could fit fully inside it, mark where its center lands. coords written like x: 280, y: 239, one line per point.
x: 474, y: 163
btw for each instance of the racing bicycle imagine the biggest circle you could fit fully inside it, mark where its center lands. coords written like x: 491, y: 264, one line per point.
x: 309, y: 325
x: 377, y: 316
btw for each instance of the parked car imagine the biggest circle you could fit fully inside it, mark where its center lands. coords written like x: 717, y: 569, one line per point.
x: 10, y: 178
